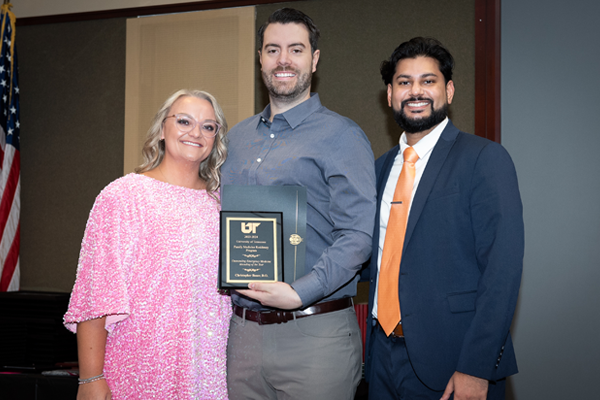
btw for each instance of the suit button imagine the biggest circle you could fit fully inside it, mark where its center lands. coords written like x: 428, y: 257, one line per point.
x: 371, y: 280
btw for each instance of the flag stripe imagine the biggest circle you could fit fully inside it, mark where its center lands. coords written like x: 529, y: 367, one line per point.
x: 16, y: 279
x: 8, y: 237
x: 9, y: 191
x: 7, y: 159
x: 12, y: 260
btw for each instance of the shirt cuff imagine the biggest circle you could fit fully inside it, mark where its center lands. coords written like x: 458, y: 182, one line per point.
x: 309, y: 289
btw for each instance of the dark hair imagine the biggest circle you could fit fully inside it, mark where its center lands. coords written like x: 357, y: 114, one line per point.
x: 291, y: 16
x: 419, y: 47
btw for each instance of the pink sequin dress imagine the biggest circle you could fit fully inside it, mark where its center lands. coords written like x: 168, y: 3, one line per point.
x: 149, y: 263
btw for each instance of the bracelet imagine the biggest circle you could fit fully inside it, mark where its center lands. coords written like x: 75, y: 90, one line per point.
x: 92, y: 379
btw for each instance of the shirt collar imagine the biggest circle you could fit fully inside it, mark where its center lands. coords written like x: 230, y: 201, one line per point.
x: 296, y: 115
x: 427, y: 143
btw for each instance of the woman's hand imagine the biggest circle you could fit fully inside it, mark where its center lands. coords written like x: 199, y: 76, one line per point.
x: 97, y: 390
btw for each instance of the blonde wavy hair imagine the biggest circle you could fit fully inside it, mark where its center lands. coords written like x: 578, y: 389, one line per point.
x: 154, y: 148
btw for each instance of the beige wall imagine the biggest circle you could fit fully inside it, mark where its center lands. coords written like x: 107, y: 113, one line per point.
x: 159, y: 62
x: 39, y: 8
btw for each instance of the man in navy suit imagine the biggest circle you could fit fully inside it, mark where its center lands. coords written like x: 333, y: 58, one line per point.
x: 462, y: 253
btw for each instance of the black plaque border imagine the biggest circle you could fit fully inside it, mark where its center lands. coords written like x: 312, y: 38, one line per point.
x: 291, y: 201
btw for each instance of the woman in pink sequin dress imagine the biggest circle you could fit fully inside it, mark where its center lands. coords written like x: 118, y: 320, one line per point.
x: 150, y: 321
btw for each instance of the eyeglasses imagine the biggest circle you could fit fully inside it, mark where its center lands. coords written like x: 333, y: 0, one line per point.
x: 186, y: 123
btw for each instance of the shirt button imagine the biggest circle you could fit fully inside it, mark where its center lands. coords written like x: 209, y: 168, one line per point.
x: 272, y: 136
x: 259, y: 160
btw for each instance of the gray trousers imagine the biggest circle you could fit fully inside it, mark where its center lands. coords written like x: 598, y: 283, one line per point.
x: 312, y: 358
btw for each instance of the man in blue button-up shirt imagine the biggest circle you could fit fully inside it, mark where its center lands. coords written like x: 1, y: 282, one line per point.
x: 297, y: 141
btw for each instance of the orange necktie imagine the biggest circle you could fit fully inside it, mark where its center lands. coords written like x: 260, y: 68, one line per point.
x: 388, y: 303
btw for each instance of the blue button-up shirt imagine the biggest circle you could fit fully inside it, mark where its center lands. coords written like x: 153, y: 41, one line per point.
x: 331, y: 156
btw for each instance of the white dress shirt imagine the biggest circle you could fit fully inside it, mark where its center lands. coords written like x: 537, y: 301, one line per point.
x: 423, y: 149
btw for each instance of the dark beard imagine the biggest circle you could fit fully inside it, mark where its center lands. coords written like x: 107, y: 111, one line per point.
x: 287, y: 94
x: 422, y: 124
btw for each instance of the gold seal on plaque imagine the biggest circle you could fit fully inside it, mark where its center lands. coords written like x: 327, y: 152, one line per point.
x: 295, y: 239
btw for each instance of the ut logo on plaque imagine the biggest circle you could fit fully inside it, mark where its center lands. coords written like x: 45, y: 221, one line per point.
x: 250, y: 227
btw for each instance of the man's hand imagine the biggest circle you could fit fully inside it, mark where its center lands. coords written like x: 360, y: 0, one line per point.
x: 273, y: 294
x: 466, y: 387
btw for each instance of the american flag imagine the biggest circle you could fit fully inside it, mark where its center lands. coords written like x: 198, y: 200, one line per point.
x: 10, y: 157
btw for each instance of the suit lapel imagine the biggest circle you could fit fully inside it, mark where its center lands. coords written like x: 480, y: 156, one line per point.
x: 382, y: 176
x: 384, y: 173
x: 434, y: 165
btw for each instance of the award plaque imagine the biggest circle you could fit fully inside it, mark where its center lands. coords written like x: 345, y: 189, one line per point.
x: 251, y: 248
x: 287, y: 201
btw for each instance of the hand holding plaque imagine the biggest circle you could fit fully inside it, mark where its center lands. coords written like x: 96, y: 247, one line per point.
x: 273, y: 294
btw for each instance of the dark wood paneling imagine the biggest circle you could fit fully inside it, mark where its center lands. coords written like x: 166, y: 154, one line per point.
x: 355, y: 39
x: 72, y: 82
x: 487, y: 69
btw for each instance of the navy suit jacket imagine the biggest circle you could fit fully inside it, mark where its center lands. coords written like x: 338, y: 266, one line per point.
x: 462, y: 261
